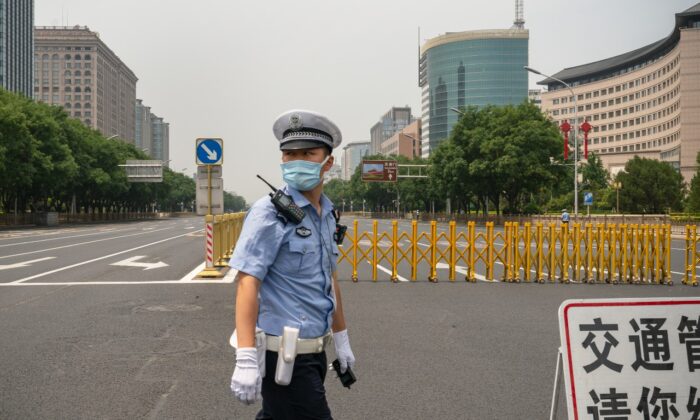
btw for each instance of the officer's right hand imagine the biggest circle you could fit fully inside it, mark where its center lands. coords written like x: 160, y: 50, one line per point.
x: 246, y: 382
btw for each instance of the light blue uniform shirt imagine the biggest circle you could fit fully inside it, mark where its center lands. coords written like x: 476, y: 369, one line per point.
x: 294, y: 264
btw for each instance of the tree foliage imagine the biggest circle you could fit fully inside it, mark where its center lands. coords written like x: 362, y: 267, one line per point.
x: 48, y: 160
x: 497, y: 152
x: 650, y: 186
x: 693, y: 203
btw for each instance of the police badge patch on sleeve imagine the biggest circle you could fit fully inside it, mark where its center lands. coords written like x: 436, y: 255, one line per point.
x: 303, y: 232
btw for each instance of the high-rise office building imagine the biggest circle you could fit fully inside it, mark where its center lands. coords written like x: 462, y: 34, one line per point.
x: 406, y: 142
x: 483, y: 67
x: 76, y: 70
x: 160, y: 139
x: 645, y: 102
x: 352, y: 157
x: 142, y: 131
x: 17, y: 45
x: 389, y: 124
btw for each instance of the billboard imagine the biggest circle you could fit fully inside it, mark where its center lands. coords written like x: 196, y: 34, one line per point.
x: 379, y: 170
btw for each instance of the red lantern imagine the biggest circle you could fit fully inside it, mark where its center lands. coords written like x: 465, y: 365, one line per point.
x: 565, y: 127
x: 585, y: 127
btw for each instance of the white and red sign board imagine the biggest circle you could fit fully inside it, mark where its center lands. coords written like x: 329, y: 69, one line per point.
x: 631, y: 358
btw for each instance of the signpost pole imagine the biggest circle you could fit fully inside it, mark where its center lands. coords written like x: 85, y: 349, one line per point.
x: 209, y: 189
x: 555, y: 391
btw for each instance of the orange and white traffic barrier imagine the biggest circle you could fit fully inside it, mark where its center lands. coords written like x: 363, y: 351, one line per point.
x: 209, y: 257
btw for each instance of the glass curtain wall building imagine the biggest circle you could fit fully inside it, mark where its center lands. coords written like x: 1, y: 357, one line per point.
x: 17, y: 46
x: 460, y: 69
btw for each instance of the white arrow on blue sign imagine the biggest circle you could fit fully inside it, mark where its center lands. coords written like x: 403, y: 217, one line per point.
x: 210, y: 151
x: 588, y: 199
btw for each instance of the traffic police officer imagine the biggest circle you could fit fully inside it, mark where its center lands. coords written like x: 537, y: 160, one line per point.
x: 286, y: 278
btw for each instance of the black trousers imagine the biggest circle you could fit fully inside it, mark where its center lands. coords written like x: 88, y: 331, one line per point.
x: 305, y: 396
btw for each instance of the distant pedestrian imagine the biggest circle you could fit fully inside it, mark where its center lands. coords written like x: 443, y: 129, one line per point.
x: 564, y: 217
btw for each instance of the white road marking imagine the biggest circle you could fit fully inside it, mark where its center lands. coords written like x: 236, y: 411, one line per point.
x: 463, y: 271
x: 107, y: 283
x: 94, y: 259
x: 192, y: 274
x: 55, y: 239
x: 131, y: 262
x: 81, y: 243
x: 24, y: 263
x: 386, y: 270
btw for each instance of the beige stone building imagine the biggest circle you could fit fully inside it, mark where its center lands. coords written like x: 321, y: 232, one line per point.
x: 645, y: 102
x: 76, y: 70
x: 406, y: 142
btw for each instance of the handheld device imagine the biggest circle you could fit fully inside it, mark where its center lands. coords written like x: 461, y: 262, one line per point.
x: 348, y: 378
x: 340, y: 230
x: 339, y: 234
x: 285, y: 205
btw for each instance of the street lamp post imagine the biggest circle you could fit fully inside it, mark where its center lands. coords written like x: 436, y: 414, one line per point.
x: 617, y: 185
x: 573, y: 95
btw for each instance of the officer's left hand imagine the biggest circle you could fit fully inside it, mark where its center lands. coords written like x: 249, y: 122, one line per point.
x: 343, y: 351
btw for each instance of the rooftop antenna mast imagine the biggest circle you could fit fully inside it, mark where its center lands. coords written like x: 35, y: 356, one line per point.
x: 519, y: 22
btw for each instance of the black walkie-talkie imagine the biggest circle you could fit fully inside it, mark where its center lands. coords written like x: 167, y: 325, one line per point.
x: 285, y: 205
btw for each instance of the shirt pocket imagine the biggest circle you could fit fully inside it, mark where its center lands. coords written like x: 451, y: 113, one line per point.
x: 303, y: 251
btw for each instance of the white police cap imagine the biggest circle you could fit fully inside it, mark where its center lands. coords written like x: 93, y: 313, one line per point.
x: 302, y: 129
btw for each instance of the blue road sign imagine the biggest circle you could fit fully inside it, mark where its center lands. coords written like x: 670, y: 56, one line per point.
x: 588, y: 199
x: 210, y: 151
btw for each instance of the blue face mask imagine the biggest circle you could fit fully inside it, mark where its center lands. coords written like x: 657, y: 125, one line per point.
x: 302, y: 175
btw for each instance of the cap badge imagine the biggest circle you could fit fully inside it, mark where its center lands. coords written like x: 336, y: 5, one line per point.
x: 295, y: 122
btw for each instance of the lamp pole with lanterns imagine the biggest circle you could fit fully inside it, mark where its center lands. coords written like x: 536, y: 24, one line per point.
x: 573, y: 96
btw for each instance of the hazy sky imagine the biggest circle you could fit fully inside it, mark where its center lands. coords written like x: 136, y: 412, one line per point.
x: 228, y: 68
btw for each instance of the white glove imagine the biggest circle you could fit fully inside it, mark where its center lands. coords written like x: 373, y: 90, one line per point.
x: 343, y: 351
x: 246, y: 382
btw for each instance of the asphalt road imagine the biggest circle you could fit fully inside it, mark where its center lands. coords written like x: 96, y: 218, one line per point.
x: 83, y: 338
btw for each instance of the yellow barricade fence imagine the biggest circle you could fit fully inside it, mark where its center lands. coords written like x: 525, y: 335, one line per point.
x: 692, y: 256
x: 220, y: 236
x: 580, y: 253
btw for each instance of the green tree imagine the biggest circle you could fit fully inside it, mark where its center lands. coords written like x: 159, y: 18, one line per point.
x: 650, y: 186
x: 233, y: 203
x: 693, y: 204
x: 595, y: 176
x: 496, y: 152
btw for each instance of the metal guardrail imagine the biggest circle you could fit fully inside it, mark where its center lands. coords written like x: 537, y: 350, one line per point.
x: 692, y: 255
x: 220, y: 236
x: 590, y: 253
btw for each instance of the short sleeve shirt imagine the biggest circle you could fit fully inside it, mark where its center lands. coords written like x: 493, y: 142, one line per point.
x: 294, y: 263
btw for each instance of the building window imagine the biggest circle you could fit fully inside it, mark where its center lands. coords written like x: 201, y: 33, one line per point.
x: 76, y: 57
